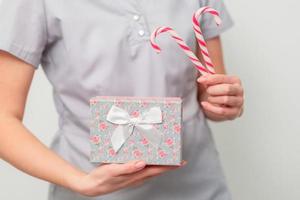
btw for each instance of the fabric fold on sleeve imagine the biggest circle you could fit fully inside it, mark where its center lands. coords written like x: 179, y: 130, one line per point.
x: 23, y: 31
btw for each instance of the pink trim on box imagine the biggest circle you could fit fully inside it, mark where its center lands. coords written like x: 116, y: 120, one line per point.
x: 124, y: 98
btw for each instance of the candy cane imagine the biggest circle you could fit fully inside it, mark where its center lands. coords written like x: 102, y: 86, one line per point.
x: 202, y: 44
x: 182, y: 45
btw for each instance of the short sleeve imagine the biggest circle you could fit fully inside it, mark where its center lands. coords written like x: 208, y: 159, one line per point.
x: 208, y: 25
x: 23, y: 29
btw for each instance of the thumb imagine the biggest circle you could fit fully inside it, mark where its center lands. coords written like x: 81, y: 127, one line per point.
x: 127, y: 168
x: 202, y: 79
x: 202, y: 83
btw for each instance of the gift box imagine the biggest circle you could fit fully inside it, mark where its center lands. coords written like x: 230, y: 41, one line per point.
x: 136, y: 128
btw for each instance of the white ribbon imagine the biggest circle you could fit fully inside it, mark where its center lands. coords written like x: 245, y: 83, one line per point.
x: 127, y: 124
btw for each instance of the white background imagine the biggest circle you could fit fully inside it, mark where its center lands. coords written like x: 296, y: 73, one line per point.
x: 260, y: 152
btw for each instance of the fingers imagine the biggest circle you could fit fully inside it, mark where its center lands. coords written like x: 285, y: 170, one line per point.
x: 157, y: 170
x: 225, y: 89
x: 154, y: 170
x: 225, y: 112
x: 149, y: 172
x: 125, y: 169
x: 232, y: 101
x: 137, y: 178
x: 219, y: 79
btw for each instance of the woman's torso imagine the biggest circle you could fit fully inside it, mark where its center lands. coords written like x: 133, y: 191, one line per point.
x: 102, y: 48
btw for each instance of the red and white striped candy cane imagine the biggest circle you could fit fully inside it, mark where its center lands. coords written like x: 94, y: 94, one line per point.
x: 182, y: 45
x: 202, y: 43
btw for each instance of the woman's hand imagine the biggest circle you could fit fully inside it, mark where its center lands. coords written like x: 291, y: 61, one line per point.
x: 221, y: 96
x: 108, y: 178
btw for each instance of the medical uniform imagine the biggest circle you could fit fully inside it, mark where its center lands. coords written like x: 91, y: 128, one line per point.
x: 101, y: 47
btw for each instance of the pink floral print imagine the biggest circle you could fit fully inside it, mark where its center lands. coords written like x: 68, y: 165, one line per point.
x: 102, y: 126
x: 111, y: 152
x: 169, y: 142
x: 95, y: 139
x: 137, y: 153
x: 135, y: 114
x: 165, y: 126
x: 145, y: 141
x: 162, y: 154
x: 144, y: 103
x: 177, y: 128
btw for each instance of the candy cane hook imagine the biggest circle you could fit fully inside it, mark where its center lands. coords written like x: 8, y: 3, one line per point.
x: 182, y: 45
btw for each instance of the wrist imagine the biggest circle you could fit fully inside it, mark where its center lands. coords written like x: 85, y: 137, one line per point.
x: 74, y: 179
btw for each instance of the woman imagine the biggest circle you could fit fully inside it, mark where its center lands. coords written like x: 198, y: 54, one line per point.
x: 89, y: 48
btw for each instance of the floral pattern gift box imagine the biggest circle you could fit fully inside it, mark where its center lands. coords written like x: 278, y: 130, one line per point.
x: 136, y: 128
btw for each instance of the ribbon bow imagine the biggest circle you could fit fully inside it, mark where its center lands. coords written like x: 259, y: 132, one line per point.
x: 127, y: 124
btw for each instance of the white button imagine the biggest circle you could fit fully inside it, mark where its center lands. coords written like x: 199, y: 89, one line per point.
x: 136, y: 17
x: 141, y: 32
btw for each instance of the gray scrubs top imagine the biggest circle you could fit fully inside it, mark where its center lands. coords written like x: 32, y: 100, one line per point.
x: 101, y: 47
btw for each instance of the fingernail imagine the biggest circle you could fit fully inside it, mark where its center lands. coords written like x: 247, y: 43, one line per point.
x: 201, y: 79
x: 140, y: 164
x: 203, y: 103
x: 183, y: 163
